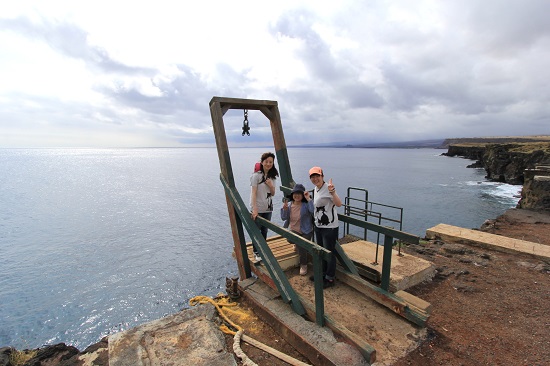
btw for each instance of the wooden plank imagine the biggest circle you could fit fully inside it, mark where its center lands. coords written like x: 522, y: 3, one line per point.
x: 387, y: 299
x: 417, y: 302
x: 283, y: 252
x: 455, y: 234
x: 406, y: 270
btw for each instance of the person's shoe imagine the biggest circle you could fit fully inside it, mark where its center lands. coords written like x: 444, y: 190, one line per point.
x: 257, y: 257
x: 328, y: 283
x: 303, y: 269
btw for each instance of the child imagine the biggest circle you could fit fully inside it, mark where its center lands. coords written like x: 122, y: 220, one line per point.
x: 297, y: 217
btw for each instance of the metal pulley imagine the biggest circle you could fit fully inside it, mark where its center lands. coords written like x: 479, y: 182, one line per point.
x: 246, y: 127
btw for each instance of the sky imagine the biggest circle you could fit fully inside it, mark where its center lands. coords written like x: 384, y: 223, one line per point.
x: 142, y: 73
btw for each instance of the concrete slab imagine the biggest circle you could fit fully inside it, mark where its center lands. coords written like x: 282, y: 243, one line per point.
x: 455, y: 234
x: 190, y: 337
x: 406, y: 270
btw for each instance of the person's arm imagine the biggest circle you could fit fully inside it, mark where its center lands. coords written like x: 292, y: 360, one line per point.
x: 335, y: 198
x: 271, y: 186
x: 310, y: 207
x: 253, y: 202
x: 284, y: 211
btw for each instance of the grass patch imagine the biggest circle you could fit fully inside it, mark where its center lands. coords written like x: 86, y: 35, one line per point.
x: 529, y: 147
x: 520, y: 147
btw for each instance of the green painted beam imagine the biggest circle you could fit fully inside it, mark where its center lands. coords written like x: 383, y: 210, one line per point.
x: 386, y: 263
x: 344, y: 260
x: 396, y: 234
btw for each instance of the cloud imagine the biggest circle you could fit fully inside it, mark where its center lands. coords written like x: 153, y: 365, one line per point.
x: 69, y: 40
x: 351, y: 71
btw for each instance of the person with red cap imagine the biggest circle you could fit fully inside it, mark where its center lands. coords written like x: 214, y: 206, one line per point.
x: 325, y: 201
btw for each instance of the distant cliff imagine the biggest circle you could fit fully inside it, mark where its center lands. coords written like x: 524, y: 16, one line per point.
x: 472, y: 152
x: 504, y: 162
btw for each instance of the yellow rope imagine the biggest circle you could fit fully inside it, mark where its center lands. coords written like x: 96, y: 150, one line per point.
x: 223, y: 302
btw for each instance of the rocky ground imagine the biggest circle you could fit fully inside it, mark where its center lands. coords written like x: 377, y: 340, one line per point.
x: 489, y: 308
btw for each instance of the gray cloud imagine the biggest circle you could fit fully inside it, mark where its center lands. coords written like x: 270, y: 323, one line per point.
x: 182, y: 93
x: 504, y: 27
x: 69, y: 40
x: 337, y: 78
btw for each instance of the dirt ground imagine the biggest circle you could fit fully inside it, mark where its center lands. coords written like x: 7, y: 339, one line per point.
x: 488, y: 307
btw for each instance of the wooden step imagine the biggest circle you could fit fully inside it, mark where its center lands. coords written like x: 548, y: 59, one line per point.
x: 282, y: 250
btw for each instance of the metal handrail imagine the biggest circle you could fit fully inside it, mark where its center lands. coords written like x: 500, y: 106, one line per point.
x: 369, y: 212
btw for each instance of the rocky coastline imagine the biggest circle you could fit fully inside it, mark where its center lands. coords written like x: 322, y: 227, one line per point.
x: 518, y: 163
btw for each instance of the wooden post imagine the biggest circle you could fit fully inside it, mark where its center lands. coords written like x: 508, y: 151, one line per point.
x: 386, y: 263
x: 239, y: 242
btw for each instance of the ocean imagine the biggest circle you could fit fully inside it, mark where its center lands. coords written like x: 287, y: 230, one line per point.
x: 96, y: 241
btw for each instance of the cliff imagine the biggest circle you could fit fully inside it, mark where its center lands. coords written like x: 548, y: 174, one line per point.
x: 507, y: 162
x: 504, y: 162
x: 535, y: 194
x: 472, y: 152
x: 525, y: 163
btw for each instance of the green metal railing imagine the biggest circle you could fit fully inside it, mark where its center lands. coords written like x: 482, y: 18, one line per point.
x: 389, y: 236
x: 352, y: 208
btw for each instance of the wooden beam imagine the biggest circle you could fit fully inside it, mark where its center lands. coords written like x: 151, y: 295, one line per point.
x: 238, y: 103
x: 385, y: 298
x: 227, y: 174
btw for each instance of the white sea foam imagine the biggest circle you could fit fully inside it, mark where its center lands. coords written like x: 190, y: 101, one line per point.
x: 503, y: 192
